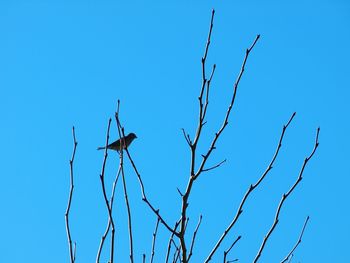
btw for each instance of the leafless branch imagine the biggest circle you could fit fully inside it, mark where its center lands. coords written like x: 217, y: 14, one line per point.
x: 217, y: 134
x: 228, y: 250
x: 177, y: 254
x: 194, y: 237
x: 154, y: 240
x: 187, y: 137
x: 71, y: 161
x: 250, y: 190
x: 298, y: 242
x: 109, y: 208
x: 74, y: 250
x: 144, y: 197
x: 121, y: 161
x: 201, y: 117
x: 213, y: 167
x: 129, y: 215
x: 181, y: 194
x: 104, y: 236
x: 171, y: 239
x: 207, y: 93
x: 202, y: 112
x: 285, y: 196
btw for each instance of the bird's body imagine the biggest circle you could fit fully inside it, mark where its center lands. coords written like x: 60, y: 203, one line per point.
x: 121, y: 143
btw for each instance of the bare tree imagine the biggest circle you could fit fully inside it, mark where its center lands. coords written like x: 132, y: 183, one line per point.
x: 181, y: 244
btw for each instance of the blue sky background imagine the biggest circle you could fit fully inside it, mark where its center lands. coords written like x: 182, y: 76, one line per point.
x: 65, y: 63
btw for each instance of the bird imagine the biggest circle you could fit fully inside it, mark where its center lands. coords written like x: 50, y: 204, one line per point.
x: 120, y: 144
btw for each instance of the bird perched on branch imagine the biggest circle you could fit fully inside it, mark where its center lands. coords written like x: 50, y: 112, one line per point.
x: 120, y: 144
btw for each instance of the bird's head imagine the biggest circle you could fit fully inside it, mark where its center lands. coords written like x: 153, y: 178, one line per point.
x: 132, y: 136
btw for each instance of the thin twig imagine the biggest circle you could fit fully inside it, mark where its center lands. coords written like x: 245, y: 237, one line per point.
x: 71, y: 161
x: 207, y: 93
x: 121, y: 161
x: 104, y: 236
x: 194, y: 237
x: 213, y: 167
x: 250, y: 190
x: 171, y: 239
x: 187, y: 137
x: 177, y: 254
x: 228, y: 250
x: 178, y: 190
x: 105, y: 194
x: 201, y: 117
x: 129, y: 216
x: 154, y: 240
x: 144, y: 197
x: 298, y: 242
x: 74, y: 250
x: 285, y: 196
x: 225, y: 122
x: 205, y: 84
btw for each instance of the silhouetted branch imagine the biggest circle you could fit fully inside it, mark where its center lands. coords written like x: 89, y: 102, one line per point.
x: 213, y: 167
x: 298, y: 242
x: 228, y: 250
x: 187, y: 137
x: 144, y: 197
x: 178, y: 190
x: 250, y: 190
x: 154, y: 240
x: 207, y: 93
x: 177, y: 254
x: 104, y: 236
x: 121, y: 161
x: 129, y: 216
x: 201, y: 117
x: 105, y: 194
x: 74, y: 250
x: 285, y: 196
x: 171, y: 239
x: 202, y: 112
x: 217, y: 134
x: 71, y: 161
x: 194, y: 237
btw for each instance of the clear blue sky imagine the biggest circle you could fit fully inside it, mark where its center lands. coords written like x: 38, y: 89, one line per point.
x: 65, y: 63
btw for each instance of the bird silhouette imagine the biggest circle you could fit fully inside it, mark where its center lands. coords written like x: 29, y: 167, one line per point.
x: 120, y: 144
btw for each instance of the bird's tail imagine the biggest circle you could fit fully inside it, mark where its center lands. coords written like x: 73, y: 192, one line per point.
x: 101, y: 148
